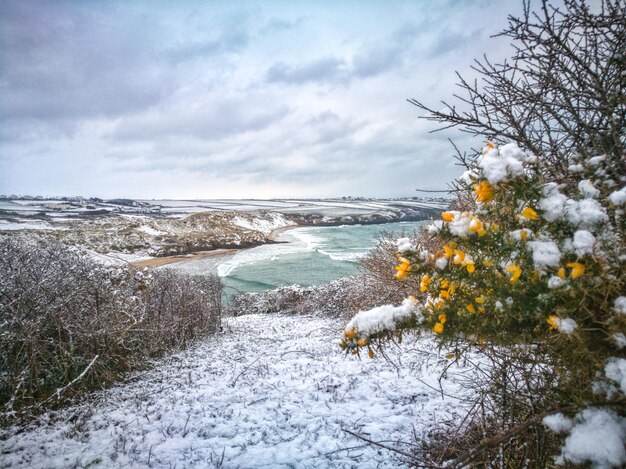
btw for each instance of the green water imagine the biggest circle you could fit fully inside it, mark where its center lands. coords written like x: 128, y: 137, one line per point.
x: 306, y: 256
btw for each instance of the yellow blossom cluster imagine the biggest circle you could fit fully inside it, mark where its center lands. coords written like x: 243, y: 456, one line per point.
x: 503, y: 266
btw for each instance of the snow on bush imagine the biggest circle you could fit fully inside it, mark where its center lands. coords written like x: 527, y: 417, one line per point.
x: 537, y: 261
x: 597, y: 438
x: 558, y: 423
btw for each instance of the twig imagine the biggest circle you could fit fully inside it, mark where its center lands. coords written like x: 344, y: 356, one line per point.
x: 59, y: 391
x: 232, y: 385
x: 395, y: 450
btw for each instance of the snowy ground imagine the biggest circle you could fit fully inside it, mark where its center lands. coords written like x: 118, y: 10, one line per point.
x: 271, y: 391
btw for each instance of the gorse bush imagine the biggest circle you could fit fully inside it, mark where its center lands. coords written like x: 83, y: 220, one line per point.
x: 529, y: 268
x: 69, y: 324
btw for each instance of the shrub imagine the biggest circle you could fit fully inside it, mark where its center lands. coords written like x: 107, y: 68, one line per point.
x: 528, y: 268
x: 69, y: 324
x: 339, y: 298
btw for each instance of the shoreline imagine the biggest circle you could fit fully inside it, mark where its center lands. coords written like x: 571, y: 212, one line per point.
x: 154, y: 262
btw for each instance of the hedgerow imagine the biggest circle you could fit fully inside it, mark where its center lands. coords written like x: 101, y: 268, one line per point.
x: 69, y: 324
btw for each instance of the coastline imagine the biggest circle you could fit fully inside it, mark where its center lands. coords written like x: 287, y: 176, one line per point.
x: 154, y: 262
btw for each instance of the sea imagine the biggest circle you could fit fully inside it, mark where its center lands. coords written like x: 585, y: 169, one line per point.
x: 302, y: 256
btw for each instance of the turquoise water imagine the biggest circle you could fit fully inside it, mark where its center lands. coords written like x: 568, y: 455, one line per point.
x: 306, y: 256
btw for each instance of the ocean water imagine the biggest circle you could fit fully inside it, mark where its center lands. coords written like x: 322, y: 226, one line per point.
x: 306, y: 256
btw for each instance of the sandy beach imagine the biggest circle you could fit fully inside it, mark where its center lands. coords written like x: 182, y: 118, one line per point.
x: 161, y: 261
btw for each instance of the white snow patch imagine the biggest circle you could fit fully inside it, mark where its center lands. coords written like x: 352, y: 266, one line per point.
x: 552, y: 204
x: 558, y: 423
x: 598, y: 438
x: 619, y: 339
x: 587, y: 189
x: 556, y: 282
x: 405, y: 244
x: 585, y: 213
x: 497, y: 164
x: 615, y: 370
x: 272, y: 391
x: 596, y: 160
x: 618, y: 197
x: 583, y: 242
x: 545, y: 254
x: 620, y: 304
x: 576, y: 168
x: 382, y: 318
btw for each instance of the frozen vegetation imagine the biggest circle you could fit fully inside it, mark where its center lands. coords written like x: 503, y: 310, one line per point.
x: 270, y: 391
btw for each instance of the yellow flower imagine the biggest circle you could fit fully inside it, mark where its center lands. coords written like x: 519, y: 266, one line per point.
x: 447, y: 216
x: 484, y: 192
x: 362, y: 342
x: 351, y: 334
x: 452, y: 288
x: 529, y: 213
x: 577, y: 269
x: 447, y: 252
x: 438, y: 328
x: 459, y: 256
x: 402, y: 274
x: 490, y: 145
x: 424, y: 283
x: 481, y: 299
x: 488, y: 263
x: 475, y: 225
x: 470, y: 308
x: 524, y: 235
x: 515, y: 271
x: 470, y: 267
x: 553, y: 321
x: 370, y: 353
x: 444, y: 295
x: 494, y: 227
x: 442, y: 318
x: 561, y: 273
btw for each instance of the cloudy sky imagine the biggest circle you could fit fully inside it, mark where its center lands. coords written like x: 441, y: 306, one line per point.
x: 217, y: 99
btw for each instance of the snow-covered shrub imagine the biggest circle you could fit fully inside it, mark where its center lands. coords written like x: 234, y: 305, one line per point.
x: 528, y: 267
x: 68, y: 323
x: 339, y: 298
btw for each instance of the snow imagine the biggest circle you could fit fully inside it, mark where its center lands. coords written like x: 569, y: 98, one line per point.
x: 498, y: 164
x: 553, y: 203
x: 545, y: 254
x: 598, y: 437
x: 587, y: 189
x: 615, y: 370
x: 596, y: 160
x: 460, y: 224
x: 381, y: 318
x: 566, y: 326
x: 272, y: 391
x: 271, y: 222
x: 585, y: 213
x: 405, y: 244
x: 149, y: 230
x: 576, y: 168
x: 618, y: 197
x: 619, y: 339
x: 620, y: 304
x: 583, y: 242
x: 556, y: 282
x: 558, y: 423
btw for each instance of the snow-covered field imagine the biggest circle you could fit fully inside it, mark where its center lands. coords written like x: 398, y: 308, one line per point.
x: 271, y: 391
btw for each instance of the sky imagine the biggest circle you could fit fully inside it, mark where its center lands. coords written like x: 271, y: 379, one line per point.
x: 221, y: 99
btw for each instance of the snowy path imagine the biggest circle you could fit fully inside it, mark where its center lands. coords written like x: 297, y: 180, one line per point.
x: 272, y: 391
